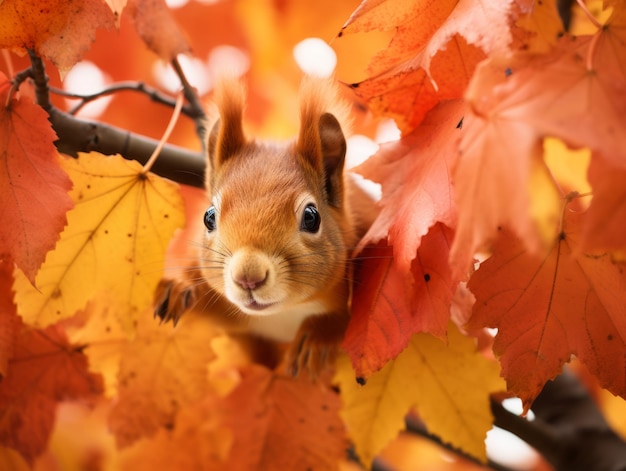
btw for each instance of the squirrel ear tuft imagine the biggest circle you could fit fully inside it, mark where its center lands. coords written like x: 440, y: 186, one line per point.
x: 226, y: 137
x: 333, y: 144
x: 321, y: 142
x: 322, y: 145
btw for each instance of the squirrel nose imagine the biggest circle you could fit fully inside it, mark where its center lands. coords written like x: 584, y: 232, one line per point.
x: 250, y: 280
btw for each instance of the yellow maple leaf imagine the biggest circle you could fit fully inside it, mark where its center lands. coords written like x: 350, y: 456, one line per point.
x: 448, y: 384
x: 114, y: 243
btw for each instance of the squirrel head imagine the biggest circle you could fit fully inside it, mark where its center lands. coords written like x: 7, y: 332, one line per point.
x: 276, y: 227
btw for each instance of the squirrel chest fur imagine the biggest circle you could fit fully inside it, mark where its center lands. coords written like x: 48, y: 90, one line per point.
x: 278, y: 232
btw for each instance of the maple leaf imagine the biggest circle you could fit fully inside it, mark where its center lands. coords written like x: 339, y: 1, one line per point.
x: 424, y: 158
x: 280, y: 422
x: 9, y: 321
x: 604, y: 223
x: 160, y: 370
x: 114, y: 242
x: 98, y: 328
x: 390, y: 305
x: 538, y: 26
x: 33, y: 186
x: 283, y: 423
x: 548, y: 307
x: 449, y: 386
x: 158, y: 29
x: 408, y: 95
x: 432, y: 54
x: 198, y: 441
x: 56, y: 29
x: 44, y: 370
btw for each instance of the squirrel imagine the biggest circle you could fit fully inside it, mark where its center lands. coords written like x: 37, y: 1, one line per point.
x: 280, y: 226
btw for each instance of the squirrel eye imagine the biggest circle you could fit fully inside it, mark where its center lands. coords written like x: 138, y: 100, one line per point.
x: 209, y: 219
x: 310, y: 219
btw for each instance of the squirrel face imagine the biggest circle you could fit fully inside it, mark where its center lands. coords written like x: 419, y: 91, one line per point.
x: 276, y: 226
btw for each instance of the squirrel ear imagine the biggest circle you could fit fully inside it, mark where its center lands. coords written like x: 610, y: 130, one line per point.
x: 333, y: 145
x: 227, y: 138
x: 322, y: 145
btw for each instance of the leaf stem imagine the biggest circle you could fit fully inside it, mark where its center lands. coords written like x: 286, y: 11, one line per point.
x: 591, y: 18
x: 166, y: 134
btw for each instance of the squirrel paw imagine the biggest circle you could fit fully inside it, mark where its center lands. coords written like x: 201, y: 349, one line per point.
x: 172, y: 299
x: 310, y: 352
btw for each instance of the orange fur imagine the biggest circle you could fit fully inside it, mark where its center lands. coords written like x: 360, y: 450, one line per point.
x: 282, y: 279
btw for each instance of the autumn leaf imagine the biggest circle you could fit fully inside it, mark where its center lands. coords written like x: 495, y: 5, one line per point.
x: 198, y: 441
x: 44, y: 370
x: 429, y: 26
x: 424, y: 157
x: 408, y: 95
x: 390, y: 305
x: 283, y: 423
x: 161, y: 370
x: 9, y: 321
x: 604, y: 224
x: 98, y: 328
x: 33, y: 186
x: 56, y: 29
x: 448, y: 385
x: 158, y: 29
x: 495, y: 155
x: 548, y: 307
x: 432, y: 54
x: 539, y: 26
x: 280, y: 422
x: 115, y: 242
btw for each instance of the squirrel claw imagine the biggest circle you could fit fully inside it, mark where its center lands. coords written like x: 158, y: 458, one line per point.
x: 173, y: 298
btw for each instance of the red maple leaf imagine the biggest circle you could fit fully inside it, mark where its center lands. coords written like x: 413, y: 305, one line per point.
x: 33, y: 187
x: 548, y: 307
x: 44, y: 370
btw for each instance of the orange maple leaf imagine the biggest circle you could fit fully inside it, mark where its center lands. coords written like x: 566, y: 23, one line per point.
x: 280, y: 422
x: 33, y: 186
x: 390, y: 305
x: 423, y: 158
x: 548, y: 307
x: 432, y: 54
x: 605, y: 223
x: 158, y: 29
x: 44, y: 370
x: 283, y: 423
x: 9, y: 321
x: 574, y: 93
x: 56, y: 29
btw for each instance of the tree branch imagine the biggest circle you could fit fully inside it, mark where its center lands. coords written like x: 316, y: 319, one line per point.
x: 42, y: 92
x: 198, y: 114
x: 78, y: 135
x: 569, y: 430
x: 415, y: 426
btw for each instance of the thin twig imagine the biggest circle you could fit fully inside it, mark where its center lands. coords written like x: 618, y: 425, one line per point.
x: 198, y: 114
x: 16, y: 81
x: 154, y: 94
